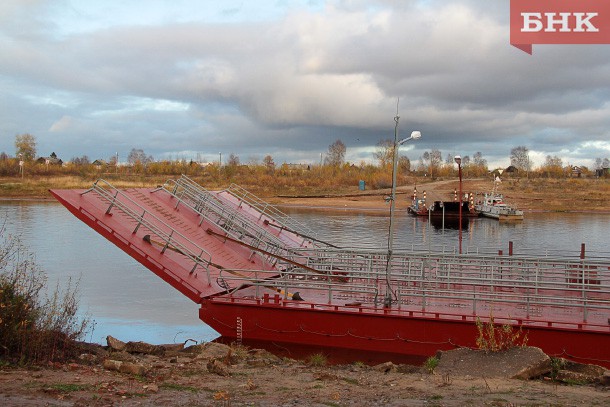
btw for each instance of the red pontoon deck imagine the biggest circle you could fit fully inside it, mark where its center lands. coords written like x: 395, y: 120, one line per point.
x: 259, y: 275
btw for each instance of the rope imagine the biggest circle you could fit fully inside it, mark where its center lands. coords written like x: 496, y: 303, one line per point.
x: 348, y: 333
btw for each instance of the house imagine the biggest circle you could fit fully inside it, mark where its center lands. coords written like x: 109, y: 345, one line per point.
x: 576, y: 172
x: 50, y: 160
x: 99, y: 164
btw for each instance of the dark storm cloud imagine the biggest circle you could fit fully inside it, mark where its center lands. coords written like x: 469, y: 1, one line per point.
x: 290, y: 86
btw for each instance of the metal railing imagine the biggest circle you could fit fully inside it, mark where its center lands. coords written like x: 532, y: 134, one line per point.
x: 475, y: 283
x: 270, y: 211
x: 296, y: 279
x: 169, y: 237
x: 218, y: 212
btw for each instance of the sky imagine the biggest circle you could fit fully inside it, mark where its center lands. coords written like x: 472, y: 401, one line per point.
x: 203, y: 79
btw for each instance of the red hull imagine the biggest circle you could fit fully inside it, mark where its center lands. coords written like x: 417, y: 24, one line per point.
x: 404, y: 337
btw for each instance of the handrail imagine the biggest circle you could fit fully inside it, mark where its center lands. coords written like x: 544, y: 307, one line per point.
x: 270, y: 211
x: 474, y: 299
x: 283, y: 283
x: 173, y: 240
x: 199, y: 197
x: 430, y: 292
x: 239, y: 227
x: 469, y: 292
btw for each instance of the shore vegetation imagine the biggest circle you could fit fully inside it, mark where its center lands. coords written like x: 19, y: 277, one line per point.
x: 37, y: 324
x: 540, y: 189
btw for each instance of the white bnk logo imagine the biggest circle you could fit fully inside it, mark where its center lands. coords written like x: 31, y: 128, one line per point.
x: 533, y: 22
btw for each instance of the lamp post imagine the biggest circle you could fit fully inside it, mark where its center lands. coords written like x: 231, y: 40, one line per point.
x: 458, y: 161
x: 414, y: 136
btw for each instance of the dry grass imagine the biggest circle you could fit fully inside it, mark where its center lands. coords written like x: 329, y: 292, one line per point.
x: 534, y: 194
x: 38, y: 186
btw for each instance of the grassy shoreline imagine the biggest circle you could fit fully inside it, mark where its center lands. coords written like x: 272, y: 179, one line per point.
x: 530, y: 195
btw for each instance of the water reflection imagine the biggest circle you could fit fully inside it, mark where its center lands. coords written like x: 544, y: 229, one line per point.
x: 451, y: 223
x: 545, y: 232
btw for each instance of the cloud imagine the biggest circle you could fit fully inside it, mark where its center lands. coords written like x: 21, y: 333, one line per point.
x: 292, y: 80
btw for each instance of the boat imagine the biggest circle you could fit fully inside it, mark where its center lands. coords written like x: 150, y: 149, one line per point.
x: 439, y: 209
x: 442, y: 209
x: 259, y: 276
x: 493, y: 206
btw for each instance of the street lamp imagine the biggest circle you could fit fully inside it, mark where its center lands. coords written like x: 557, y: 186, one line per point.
x: 414, y: 136
x: 458, y: 161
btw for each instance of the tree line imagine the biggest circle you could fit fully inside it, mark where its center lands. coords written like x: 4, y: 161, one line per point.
x: 429, y: 164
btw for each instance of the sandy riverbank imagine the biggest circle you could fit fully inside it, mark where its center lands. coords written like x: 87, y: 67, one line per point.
x: 540, y: 195
x: 215, y: 375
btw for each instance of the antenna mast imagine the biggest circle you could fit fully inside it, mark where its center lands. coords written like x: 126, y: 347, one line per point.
x: 389, y: 295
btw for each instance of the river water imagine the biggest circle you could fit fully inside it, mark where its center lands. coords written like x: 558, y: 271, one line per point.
x: 129, y: 302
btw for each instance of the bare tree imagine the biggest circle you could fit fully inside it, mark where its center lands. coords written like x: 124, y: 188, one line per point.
x: 602, y: 163
x: 426, y: 157
x: 436, y: 158
x: 478, y: 160
x: 233, y: 160
x: 84, y: 160
x: 553, y: 161
x: 269, y: 163
x: 553, y: 166
x: 520, y: 159
x: 404, y: 164
x: 336, y: 154
x: 384, y: 152
x: 137, y: 156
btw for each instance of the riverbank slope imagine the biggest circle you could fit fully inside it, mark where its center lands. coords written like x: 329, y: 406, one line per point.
x: 216, y: 375
x: 539, y: 194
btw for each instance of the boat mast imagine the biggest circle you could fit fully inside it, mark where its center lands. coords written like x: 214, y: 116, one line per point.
x: 389, y: 293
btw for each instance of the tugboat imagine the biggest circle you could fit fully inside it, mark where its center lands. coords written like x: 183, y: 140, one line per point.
x: 493, y: 206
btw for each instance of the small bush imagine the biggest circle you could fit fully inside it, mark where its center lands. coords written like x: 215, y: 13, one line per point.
x: 431, y: 364
x: 317, y: 360
x: 34, y: 327
x: 557, y: 364
x: 495, y: 338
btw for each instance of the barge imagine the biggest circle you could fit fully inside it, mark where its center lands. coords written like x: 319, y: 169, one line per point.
x: 258, y: 275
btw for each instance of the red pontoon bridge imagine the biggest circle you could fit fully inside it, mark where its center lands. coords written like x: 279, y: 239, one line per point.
x: 258, y: 275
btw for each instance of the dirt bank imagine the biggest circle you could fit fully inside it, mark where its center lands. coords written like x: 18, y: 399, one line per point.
x: 213, y: 375
x: 538, y: 195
